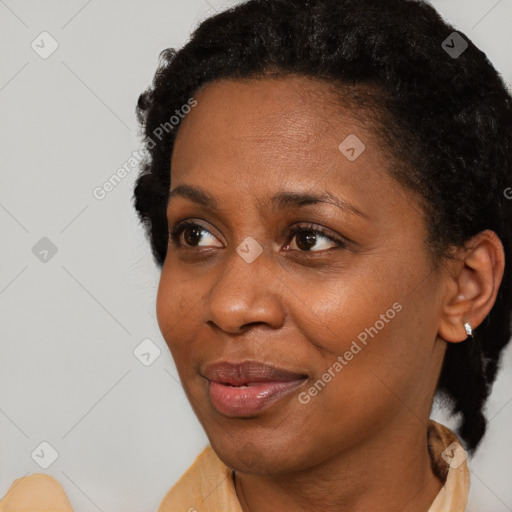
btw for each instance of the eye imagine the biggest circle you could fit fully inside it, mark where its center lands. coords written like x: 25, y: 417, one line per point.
x: 309, y: 235
x: 192, y: 234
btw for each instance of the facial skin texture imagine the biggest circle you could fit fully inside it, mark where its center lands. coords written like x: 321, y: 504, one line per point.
x: 360, y: 443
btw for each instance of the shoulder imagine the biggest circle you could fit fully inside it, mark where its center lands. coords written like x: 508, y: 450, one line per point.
x: 207, y: 485
x: 35, y: 492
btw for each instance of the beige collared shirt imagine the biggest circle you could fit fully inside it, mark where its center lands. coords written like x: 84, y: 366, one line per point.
x: 207, y: 485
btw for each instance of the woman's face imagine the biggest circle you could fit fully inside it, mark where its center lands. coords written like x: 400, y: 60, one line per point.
x: 347, y: 308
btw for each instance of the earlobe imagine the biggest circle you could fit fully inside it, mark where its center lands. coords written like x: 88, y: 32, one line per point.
x: 471, y: 286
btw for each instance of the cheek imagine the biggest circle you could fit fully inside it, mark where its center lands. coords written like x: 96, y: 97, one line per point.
x: 176, y: 308
x: 377, y: 359
x: 333, y: 310
x: 370, y: 334
x: 165, y: 305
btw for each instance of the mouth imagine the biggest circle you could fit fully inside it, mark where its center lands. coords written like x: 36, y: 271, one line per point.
x: 246, y: 388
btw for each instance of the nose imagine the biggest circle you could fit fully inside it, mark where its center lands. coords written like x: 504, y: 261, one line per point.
x: 244, y: 294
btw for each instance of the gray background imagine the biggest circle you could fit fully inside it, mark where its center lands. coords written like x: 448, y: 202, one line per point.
x: 124, y: 432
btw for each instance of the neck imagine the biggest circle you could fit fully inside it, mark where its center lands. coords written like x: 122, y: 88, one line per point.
x: 395, y: 475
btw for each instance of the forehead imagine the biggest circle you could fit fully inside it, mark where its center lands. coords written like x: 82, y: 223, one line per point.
x: 247, y: 140
x: 285, y: 123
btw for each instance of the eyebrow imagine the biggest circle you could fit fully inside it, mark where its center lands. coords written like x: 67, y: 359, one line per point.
x: 280, y: 200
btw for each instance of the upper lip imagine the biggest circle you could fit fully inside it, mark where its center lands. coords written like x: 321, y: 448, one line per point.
x: 239, y: 373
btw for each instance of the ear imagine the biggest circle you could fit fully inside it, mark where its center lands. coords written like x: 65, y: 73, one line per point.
x: 472, y: 283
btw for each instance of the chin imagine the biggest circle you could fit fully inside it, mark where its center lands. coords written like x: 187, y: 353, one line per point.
x: 260, y: 456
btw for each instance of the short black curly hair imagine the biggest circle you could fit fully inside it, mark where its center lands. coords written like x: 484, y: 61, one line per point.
x: 447, y: 118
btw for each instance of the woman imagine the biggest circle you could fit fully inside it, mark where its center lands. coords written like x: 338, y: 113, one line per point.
x: 324, y: 191
x: 337, y: 237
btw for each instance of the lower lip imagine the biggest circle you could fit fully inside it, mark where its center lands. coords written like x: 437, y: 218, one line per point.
x: 237, y: 402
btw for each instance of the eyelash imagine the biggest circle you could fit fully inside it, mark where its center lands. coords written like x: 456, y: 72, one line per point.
x: 178, y: 229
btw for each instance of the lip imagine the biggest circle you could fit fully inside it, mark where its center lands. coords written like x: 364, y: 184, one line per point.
x: 241, y: 389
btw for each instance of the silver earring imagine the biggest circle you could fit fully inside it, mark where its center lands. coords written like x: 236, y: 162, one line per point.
x: 469, y: 329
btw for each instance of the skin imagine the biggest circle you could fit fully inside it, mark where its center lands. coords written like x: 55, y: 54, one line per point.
x: 360, y: 443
